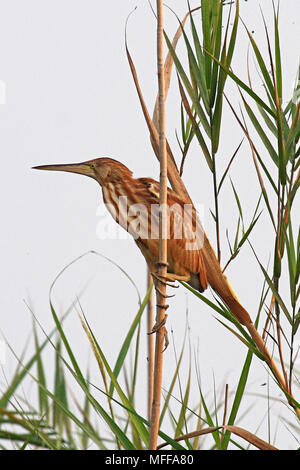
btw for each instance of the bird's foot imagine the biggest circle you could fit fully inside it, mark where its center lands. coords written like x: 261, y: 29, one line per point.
x: 176, y: 277
x: 159, y: 325
x: 164, y: 280
x: 166, y: 338
x: 169, y: 277
x: 165, y: 296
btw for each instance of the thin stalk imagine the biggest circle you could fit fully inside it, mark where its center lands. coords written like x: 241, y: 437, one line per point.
x: 225, y: 410
x: 214, y: 172
x: 216, y: 208
x: 161, y: 300
x: 291, y: 355
x: 291, y: 365
x: 150, y: 323
x: 279, y: 342
x: 269, y: 317
x: 280, y: 207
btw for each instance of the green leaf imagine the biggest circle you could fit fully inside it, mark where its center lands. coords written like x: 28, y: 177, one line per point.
x: 268, y: 81
x: 237, y: 202
x: 200, y: 77
x: 294, y: 133
x: 281, y: 147
x: 245, y: 87
x: 67, y: 345
x: 235, y: 245
x: 292, y: 262
x: 59, y: 417
x: 172, y: 384
x: 195, y: 127
x: 261, y: 133
x: 217, y: 38
x: 276, y: 294
x: 143, y: 432
x: 270, y: 124
x: 43, y: 400
x: 239, y: 394
x: 278, y: 69
x: 127, y: 342
x: 228, y: 166
x: 226, y: 60
x: 232, y: 41
x: 217, y: 113
x: 187, y: 84
x: 209, y: 419
x: 228, y: 315
x: 20, y: 376
x: 296, y: 323
x: 206, y: 7
x: 182, y: 415
x: 113, y: 426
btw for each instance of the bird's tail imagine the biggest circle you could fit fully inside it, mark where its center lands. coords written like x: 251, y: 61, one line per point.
x: 220, y: 284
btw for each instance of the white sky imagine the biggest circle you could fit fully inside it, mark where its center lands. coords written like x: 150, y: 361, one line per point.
x: 70, y: 97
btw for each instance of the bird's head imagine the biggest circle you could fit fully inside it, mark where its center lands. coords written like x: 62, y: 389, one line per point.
x: 103, y: 170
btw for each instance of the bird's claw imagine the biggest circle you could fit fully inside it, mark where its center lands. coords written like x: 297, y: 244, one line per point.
x: 166, y: 338
x: 157, y: 327
x: 165, y: 296
x: 161, y: 279
x: 161, y: 263
x: 163, y: 306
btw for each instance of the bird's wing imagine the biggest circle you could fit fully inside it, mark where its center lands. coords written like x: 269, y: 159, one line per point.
x: 186, y: 233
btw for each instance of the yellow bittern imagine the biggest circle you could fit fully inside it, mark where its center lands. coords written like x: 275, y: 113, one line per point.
x: 134, y: 204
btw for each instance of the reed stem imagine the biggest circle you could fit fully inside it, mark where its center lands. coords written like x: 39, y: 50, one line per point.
x: 161, y: 301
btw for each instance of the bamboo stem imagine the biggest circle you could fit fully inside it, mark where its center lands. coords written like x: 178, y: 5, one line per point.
x: 161, y: 301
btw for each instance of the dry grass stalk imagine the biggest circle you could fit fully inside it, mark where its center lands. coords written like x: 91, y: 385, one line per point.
x: 161, y: 294
x: 243, y: 433
x: 150, y: 322
x: 225, y: 407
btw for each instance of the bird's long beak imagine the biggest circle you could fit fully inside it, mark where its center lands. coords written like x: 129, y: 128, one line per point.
x: 84, y: 168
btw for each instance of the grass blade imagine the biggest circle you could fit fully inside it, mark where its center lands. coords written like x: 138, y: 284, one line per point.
x: 126, y: 344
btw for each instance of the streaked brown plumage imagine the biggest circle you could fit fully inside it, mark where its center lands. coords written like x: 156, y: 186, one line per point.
x: 138, y: 213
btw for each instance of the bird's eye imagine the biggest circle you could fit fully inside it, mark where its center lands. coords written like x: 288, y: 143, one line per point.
x: 92, y: 166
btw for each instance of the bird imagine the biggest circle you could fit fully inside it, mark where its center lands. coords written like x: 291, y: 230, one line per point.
x: 134, y: 204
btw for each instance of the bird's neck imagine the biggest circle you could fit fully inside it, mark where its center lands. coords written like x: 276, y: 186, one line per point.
x: 114, y: 190
x: 117, y: 198
x: 124, y: 204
